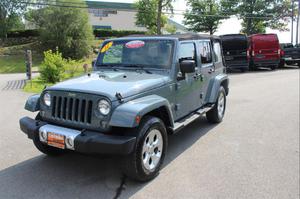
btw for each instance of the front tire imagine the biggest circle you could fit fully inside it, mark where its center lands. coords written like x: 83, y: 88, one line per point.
x: 216, y: 114
x: 144, y: 163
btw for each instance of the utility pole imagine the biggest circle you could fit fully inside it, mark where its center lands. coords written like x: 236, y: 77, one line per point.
x: 297, y: 30
x: 292, y: 29
x: 28, y: 56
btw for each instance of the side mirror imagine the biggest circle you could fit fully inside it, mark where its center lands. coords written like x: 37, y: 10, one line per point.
x: 187, y: 66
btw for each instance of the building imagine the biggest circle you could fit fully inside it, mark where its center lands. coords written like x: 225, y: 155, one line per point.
x: 115, y: 16
x: 118, y: 16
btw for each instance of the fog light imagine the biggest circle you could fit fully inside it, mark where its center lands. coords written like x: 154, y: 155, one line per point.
x: 43, y: 136
x: 70, y: 143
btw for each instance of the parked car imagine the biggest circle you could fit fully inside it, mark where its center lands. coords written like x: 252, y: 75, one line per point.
x: 264, y: 51
x: 291, y: 54
x: 141, y: 90
x: 235, y: 49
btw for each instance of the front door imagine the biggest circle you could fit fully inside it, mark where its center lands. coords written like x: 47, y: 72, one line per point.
x: 186, y: 83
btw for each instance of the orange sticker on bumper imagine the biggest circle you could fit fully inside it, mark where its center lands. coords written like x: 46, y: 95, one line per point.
x: 56, y: 140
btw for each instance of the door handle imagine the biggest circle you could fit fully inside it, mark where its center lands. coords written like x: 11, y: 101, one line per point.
x: 211, y: 70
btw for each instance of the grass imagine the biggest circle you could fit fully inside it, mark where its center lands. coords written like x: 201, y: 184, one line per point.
x: 74, y: 69
x: 12, y: 59
x: 35, y: 86
x: 16, y: 63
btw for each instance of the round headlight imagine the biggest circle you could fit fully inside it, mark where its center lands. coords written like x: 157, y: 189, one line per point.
x: 47, y: 99
x: 104, y: 107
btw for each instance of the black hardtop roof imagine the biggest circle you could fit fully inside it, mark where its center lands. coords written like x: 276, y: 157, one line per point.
x: 180, y: 37
x: 233, y: 35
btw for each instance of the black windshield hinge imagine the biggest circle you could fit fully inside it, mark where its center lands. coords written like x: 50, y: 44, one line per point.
x: 119, y: 97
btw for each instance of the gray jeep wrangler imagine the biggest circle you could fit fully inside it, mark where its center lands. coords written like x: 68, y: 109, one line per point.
x: 141, y: 90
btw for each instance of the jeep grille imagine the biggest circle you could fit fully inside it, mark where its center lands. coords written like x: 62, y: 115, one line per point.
x: 72, y: 109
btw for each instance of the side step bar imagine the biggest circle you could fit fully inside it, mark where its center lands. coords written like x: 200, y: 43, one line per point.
x: 190, y: 118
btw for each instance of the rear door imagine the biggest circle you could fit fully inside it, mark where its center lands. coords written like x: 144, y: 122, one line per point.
x: 207, y: 66
x: 266, y: 47
x: 235, y: 49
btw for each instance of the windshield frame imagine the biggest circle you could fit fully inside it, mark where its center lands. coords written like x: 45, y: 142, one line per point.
x: 99, y: 65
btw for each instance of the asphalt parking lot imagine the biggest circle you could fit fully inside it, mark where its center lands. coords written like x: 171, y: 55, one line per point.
x: 254, y: 153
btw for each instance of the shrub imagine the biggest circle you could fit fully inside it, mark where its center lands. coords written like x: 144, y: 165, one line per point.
x: 53, y: 67
x: 23, y: 33
x: 102, y: 33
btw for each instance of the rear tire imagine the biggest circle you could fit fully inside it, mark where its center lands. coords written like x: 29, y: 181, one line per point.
x: 281, y: 64
x: 252, y: 66
x: 216, y: 114
x: 48, y: 150
x: 274, y: 67
x: 144, y: 163
x: 243, y: 70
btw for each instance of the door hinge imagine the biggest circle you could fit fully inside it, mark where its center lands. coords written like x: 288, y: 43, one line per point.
x: 201, y: 95
x: 177, y: 107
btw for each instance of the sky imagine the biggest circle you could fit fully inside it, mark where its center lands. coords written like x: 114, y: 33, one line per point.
x: 229, y: 26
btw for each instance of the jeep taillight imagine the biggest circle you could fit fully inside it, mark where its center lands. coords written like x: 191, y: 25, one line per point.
x: 248, y: 54
x: 253, y: 53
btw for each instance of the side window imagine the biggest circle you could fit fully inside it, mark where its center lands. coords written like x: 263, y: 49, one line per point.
x: 187, y: 51
x: 218, y: 52
x: 205, y: 52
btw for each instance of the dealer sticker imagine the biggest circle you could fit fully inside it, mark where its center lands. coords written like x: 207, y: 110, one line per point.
x: 135, y: 44
x: 106, y: 47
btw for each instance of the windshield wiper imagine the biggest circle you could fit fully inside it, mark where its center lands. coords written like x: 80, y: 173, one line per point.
x: 107, y: 65
x: 138, y: 66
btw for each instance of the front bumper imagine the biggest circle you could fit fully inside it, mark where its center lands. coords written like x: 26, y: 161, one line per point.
x: 90, y: 142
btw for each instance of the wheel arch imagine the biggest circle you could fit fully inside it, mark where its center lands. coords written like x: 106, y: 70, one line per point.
x: 33, y: 103
x: 130, y: 113
x: 214, y: 86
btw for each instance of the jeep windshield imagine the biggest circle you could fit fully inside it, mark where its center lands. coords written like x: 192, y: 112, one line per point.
x: 136, y: 53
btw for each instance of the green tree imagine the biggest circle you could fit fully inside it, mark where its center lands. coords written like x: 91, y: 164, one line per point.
x: 150, y: 14
x: 162, y: 5
x: 64, y: 28
x: 170, y: 28
x: 257, y: 15
x: 203, y: 16
x: 10, y: 13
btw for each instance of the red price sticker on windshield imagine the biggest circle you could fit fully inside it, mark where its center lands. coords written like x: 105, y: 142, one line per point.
x: 135, y: 44
x: 106, y: 47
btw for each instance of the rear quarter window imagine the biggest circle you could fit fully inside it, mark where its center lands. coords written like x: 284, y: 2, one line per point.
x: 217, y: 52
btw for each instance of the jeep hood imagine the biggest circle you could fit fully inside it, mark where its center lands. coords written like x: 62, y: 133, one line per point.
x: 108, y: 83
